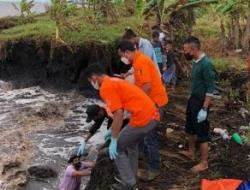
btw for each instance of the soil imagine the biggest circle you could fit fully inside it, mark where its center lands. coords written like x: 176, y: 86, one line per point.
x: 48, y: 64
x: 226, y: 159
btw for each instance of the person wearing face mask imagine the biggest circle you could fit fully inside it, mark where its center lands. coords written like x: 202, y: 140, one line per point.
x: 74, y: 172
x: 119, y: 96
x: 143, y: 45
x: 147, y: 79
x: 98, y: 114
x: 202, y: 88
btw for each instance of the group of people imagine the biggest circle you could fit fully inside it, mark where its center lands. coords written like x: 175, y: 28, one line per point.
x: 142, y: 93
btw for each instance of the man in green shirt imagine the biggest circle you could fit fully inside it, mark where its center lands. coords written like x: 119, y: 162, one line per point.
x: 202, y: 87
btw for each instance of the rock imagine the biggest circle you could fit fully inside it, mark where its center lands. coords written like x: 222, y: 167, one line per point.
x: 102, y: 175
x: 169, y: 130
x: 42, y: 172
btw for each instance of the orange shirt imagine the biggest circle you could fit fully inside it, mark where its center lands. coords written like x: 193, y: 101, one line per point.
x: 145, y: 71
x: 120, y: 94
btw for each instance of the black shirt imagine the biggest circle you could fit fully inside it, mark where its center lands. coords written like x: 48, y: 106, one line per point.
x: 98, y: 123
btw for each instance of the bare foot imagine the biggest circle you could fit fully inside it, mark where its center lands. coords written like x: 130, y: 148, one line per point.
x: 199, y: 167
x: 188, y: 154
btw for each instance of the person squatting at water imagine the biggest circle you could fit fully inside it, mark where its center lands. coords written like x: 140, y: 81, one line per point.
x: 74, y: 172
x: 120, y: 95
x: 202, y: 88
x: 98, y: 114
x: 146, y: 78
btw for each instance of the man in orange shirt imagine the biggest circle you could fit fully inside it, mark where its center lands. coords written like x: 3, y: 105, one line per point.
x: 147, y: 78
x: 120, y: 95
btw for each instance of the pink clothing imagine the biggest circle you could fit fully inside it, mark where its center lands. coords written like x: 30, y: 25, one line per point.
x: 70, y: 182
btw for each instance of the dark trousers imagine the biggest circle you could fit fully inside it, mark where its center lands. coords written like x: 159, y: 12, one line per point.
x: 192, y: 127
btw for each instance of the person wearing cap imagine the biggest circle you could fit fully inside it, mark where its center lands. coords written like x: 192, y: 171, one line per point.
x: 75, y: 170
x: 119, y: 96
x: 146, y: 78
x: 98, y: 114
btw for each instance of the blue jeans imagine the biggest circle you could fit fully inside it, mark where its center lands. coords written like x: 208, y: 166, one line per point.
x: 151, y: 150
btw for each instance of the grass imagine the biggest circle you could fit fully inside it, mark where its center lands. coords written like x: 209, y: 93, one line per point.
x: 44, y: 28
x: 229, y: 63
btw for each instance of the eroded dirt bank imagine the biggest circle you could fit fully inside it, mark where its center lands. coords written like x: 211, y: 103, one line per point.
x: 44, y: 63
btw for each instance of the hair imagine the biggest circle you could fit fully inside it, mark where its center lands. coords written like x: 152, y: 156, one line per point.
x: 72, y: 157
x: 125, y: 45
x: 155, y: 34
x: 195, y: 42
x: 168, y: 42
x: 156, y: 27
x: 94, y: 69
x: 129, y: 33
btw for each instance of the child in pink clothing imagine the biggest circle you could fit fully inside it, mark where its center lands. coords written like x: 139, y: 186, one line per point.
x: 73, y: 173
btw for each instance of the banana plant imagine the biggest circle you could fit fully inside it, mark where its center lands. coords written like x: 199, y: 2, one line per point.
x: 60, y: 11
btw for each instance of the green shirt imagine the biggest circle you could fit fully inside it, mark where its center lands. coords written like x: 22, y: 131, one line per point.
x: 203, y: 78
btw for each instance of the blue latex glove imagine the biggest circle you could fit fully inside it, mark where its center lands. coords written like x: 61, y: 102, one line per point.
x: 81, y: 148
x: 113, y: 149
x: 107, y: 135
x: 202, y: 116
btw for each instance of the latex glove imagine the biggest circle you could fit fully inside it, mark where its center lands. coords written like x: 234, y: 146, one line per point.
x: 202, y: 116
x: 107, y: 135
x: 81, y: 148
x: 113, y: 149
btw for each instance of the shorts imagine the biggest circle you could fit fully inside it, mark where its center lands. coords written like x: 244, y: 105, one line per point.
x: 192, y: 127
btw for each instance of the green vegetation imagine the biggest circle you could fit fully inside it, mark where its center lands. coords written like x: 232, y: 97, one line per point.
x: 45, y: 28
x: 229, y: 63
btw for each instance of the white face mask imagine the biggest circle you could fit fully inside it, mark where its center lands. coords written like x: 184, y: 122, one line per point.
x: 95, y: 85
x: 125, y: 60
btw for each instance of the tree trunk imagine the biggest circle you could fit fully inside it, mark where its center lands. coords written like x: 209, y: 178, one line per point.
x: 222, y: 37
x: 237, y: 31
x: 246, y: 41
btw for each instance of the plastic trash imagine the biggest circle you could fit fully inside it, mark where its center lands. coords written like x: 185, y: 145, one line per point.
x: 237, y: 138
x: 223, y: 132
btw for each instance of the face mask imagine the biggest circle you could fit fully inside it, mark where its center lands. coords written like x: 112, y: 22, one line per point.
x: 77, y: 165
x: 188, y: 56
x: 95, y: 85
x: 125, y: 60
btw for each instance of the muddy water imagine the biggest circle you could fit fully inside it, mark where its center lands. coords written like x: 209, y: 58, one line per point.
x: 38, y: 131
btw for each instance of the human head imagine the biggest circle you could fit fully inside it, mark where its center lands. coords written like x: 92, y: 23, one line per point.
x: 131, y: 36
x: 94, y: 112
x: 156, y: 27
x: 126, y: 51
x: 155, y: 36
x: 75, y: 161
x: 95, y: 74
x: 168, y: 45
x: 191, y: 48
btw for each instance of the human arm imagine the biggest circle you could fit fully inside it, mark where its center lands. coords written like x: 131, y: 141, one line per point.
x: 209, y: 78
x: 94, y: 128
x: 85, y: 172
x: 117, y: 123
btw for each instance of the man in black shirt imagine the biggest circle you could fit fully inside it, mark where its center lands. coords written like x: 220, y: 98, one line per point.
x: 98, y: 114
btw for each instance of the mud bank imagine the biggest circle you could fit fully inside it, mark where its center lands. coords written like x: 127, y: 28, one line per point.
x: 44, y: 63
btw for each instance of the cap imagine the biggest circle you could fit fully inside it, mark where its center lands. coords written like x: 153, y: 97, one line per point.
x: 92, y: 111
